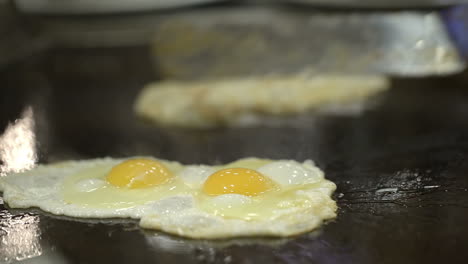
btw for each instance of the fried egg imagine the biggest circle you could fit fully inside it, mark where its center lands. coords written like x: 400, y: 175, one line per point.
x: 244, y: 101
x: 248, y: 197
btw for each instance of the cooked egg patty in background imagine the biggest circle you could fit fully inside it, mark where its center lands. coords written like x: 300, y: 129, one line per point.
x: 248, y: 197
x: 247, y: 101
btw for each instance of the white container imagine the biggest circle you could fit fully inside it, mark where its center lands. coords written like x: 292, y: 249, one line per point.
x: 100, y: 6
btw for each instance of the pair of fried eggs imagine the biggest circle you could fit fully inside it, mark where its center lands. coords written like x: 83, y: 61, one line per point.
x: 248, y: 197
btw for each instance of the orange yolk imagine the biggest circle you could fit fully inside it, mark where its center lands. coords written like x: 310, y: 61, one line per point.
x: 138, y: 173
x: 237, y: 180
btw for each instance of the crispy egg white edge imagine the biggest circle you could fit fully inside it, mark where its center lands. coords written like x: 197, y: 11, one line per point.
x: 184, y: 220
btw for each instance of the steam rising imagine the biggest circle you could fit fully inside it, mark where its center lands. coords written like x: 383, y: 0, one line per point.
x: 18, y: 144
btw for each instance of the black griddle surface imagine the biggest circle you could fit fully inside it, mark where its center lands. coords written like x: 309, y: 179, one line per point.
x: 400, y: 166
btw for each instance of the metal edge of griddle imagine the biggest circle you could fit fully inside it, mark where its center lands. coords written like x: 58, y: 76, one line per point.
x: 72, y: 8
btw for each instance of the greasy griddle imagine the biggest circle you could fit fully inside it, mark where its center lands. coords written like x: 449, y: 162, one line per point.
x: 400, y: 166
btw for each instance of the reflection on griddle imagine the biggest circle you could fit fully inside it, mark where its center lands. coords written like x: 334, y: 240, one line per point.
x: 19, y: 236
x: 178, y: 244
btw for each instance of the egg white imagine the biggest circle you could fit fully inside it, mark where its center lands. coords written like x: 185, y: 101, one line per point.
x: 299, y: 203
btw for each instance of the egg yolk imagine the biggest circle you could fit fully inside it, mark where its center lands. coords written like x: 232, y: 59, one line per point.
x: 237, y: 180
x: 138, y: 173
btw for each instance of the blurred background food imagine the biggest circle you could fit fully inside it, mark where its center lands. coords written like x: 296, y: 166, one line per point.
x: 248, y: 101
